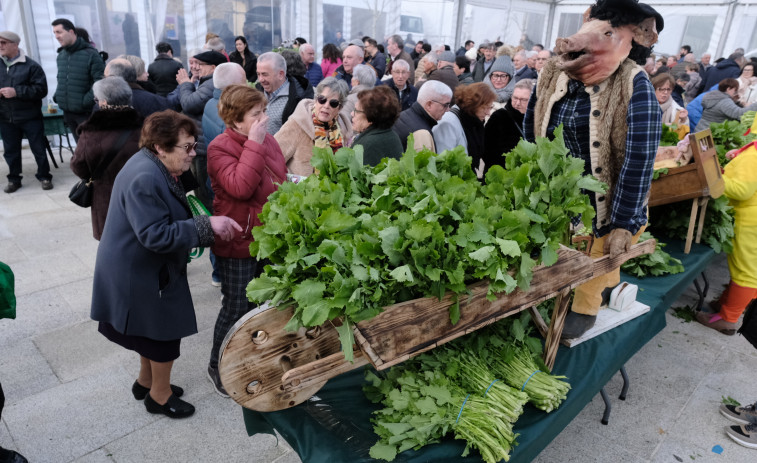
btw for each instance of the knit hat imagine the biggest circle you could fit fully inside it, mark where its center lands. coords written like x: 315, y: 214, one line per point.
x: 10, y: 36
x: 503, y: 64
x: 447, y: 56
x: 211, y: 57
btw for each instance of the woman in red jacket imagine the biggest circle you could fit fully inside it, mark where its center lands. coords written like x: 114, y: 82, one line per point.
x: 245, y: 166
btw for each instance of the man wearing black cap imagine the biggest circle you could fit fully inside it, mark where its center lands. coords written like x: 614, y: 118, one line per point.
x: 22, y: 86
x: 192, y: 100
x: 598, y: 91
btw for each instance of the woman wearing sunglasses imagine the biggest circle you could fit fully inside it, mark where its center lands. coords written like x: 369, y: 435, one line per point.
x: 140, y: 293
x: 317, y: 122
x: 245, y: 166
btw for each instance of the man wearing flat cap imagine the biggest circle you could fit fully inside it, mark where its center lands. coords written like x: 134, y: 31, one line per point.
x: 192, y: 101
x: 597, y: 90
x: 22, y: 86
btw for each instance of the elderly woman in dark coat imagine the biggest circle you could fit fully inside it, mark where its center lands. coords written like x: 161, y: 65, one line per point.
x: 110, y: 135
x: 140, y: 291
x: 375, y: 112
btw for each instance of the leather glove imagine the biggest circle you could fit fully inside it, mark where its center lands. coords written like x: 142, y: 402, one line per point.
x: 617, y: 242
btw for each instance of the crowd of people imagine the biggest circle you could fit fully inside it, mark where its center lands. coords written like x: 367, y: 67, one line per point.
x: 242, y: 123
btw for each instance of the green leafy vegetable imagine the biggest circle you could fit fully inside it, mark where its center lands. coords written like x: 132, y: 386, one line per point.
x: 669, y: 136
x: 352, y: 239
x: 730, y: 135
x: 656, y: 264
x: 659, y: 172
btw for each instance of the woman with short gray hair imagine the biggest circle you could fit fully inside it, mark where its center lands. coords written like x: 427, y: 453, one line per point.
x: 363, y: 78
x: 106, y: 141
x: 320, y: 122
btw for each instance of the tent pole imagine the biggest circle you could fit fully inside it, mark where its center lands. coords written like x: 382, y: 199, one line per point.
x: 459, y: 24
x: 726, y: 27
x: 550, y: 23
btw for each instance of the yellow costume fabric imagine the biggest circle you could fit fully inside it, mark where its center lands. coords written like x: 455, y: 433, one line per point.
x: 741, y: 187
x: 588, y: 297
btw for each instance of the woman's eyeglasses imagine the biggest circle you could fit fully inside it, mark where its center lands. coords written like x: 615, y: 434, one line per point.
x: 664, y: 90
x: 189, y: 147
x: 500, y: 76
x: 322, y: 100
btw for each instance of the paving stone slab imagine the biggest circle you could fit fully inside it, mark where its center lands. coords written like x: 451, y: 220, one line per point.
x: 578, y: 444
x: 36, y: 313
x: 101, y: 455
x: 24, y: 371
x: 675, y: 450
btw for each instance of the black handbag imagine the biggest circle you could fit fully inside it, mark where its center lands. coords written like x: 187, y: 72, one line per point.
x: 748, y: 327
x: 81, y: 193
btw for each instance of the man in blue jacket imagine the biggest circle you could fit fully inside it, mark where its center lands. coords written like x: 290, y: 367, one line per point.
x: 22, y: 86
x: 79, y: 67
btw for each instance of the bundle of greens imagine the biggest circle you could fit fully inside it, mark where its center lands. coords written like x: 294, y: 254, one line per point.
x: 656, y: 264
x: 731, y: 135
x: 669, y: 135
x: 672, y: 221
x: 471, y: 386
x: 352, y: 239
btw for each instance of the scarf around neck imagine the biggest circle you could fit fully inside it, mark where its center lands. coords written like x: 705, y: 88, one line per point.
x: 327, y: 133
x: 667, y: 111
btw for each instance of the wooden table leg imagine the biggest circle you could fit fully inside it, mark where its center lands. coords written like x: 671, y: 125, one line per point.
x: 538, y: 321
x: 555, y: 327
x: 702, y: 212
x: 692, y: 224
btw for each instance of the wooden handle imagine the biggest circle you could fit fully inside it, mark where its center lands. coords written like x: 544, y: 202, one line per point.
x: 321, y: 370
x: 605, y: 264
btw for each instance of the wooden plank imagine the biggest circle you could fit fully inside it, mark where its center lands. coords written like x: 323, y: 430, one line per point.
x: 605, y: 264
x: 692, y: 224
x: 413, y: 326
x: 538, y: 321
x: 555, y: 328
x: 320, y: 371
x: 702, y: 213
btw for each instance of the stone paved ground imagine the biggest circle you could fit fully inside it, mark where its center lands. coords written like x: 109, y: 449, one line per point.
x: 67, y: 388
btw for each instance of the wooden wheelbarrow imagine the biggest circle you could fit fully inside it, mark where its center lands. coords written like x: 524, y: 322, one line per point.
x: 265, y: 368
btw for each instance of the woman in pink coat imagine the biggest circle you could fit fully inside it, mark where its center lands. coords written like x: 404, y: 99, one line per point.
x: 245, y: 166
x: 332, y: 59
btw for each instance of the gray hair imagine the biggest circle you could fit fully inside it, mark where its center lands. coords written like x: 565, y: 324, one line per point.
x: 531, y: 53
x: 365, y: 75
x: 136, y: 61
x: 432, y: 58
x: 397, y: 39
x: 400, y: 64
x: 114, y: 90
x: 124, y: 70
x: 337, y: 87
x: 433, y: 90
x: 306, y: 46
x: 521, y: 53
x: 528, y: 84
x: 277, y: 61
x: 227, y: 74
x: 216, y: 44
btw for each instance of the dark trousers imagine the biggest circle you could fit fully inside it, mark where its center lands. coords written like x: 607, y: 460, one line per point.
x: 235, y: 275
x: 13, y: 133
x: 73, y: 121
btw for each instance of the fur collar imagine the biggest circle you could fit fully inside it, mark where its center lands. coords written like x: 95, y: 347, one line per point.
x: 113, y: 118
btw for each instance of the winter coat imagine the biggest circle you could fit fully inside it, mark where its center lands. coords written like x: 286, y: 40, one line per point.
x: 740, y: 177
x: 445, y: 75
x: 140, y: 285
x: 479, y: 72
x: 314, y: 74
x: 297, y: 137
x: 378, y: 144
x: 408, y: 97
x: 341, y: 74
x: 79, y: 67
x: 449, y: 133
x: 330, y: 67
x: 524, y: 73
x: 718, y: 106
x: 723, y: 70
x: 411, y: 121
x: 692, y: 88
x: 379, y: 64
x: 466, y: 78
x: 503, y: 132
x: 97, y: 136
x: 145, y: 102
x: 7, y: 294
x: 162, y: 72
x: 30, y: 83
x: 299, y: 89
x: 250, y: 63
x: 212, y: 124
x: 192, y: 101
x: 243, y: 174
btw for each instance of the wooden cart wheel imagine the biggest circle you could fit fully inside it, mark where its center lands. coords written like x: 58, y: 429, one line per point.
x: 257, y: 352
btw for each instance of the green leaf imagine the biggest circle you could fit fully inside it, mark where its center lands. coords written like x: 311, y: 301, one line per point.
x: 381, y: 451
x: 454, y: 312
x: 347, y: 338
x: 509, y: 247
x: 483, y: 254
x: 402, y: 274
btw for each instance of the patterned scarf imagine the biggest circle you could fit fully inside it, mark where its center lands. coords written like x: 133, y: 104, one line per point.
x: 327, y: 133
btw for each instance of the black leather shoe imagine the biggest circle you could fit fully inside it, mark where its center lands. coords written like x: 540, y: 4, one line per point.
x: 173, y: 408
x: 576, y: 324
x: 10, y: 456
x: 12, y: 187
x: 140, y: 392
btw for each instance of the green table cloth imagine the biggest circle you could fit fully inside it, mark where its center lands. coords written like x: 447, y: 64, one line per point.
x: 334, y: 425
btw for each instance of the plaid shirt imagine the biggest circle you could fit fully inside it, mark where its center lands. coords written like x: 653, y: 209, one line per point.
x: 629, y: 210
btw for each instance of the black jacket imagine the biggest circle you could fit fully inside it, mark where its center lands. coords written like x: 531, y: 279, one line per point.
x: 162, y: 72
x: 723, y: 70
x: 504, y: 130
x: 79, y: 67
x: 341, y: 74
x: 408, y: 98
x: 30, y: 83
x: 250, y: 66
x: 411, y: 120
x: 145, y: 102
x: 525, y: 73
x: 299, y: 89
